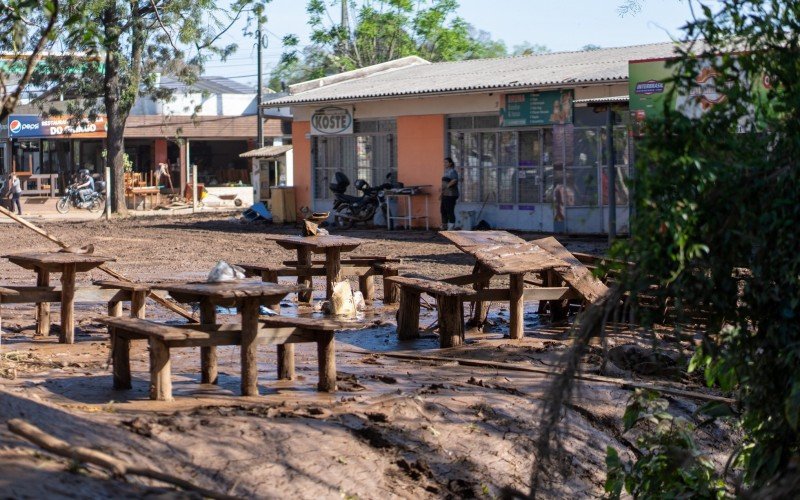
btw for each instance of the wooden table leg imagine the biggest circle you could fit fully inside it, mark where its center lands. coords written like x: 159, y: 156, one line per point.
x: 138, y: 300
x: 114, y: 308
x: 67, y: 335
x: 304, y: 259
x: 42, y: 308
x: 366, y: 285
x: 326, y: 357
x: 390, y: 290
x: 249, y: 314
x: 408, y: 315
x: 286, y: 362
x: 208, y: 355
x: 333, y: 269
x: 481, y: 310
x: 451, y: 321
x: 271, y: 276
x: 121, y: 360
x: 516, y: 306
x: 160, y: 371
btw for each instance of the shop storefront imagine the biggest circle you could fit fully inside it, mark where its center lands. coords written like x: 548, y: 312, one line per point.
x: 47, y: 152
x: 529, y: 135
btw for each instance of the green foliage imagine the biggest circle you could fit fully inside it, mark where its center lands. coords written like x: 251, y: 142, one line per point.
x: 383, y: 30
x: 669, y: 464
x: 717, y: 206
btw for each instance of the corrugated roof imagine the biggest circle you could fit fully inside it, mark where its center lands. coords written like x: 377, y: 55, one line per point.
x: 266, y: 152
x: 508, y: 73
x: 210, y: 84
x: 601, y: 100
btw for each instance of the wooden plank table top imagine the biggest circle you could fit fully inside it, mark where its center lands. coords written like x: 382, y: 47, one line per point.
x: 577, y: 274
x: 519, y: 258
x: 470, y: 241
x: 123, y: 285
x: 316, y: 243
x: 55, y: 261
x: 226, y: 290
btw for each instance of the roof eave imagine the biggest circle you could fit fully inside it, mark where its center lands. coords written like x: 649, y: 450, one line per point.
x: 463, y: 91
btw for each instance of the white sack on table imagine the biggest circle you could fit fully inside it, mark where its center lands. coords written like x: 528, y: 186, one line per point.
x: 225, y: 272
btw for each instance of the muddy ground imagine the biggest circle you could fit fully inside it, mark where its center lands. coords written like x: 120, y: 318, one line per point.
x: 395, y: 429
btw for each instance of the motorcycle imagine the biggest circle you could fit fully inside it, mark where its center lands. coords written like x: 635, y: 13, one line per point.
x: 95, y: 201
x: 348, y: 209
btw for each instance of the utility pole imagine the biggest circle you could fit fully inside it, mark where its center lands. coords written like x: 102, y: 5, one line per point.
x: 261, y: 41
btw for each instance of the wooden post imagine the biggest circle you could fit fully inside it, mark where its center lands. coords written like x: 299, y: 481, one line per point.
x: 121, y: 360
x: 208, y: 354
x: 408, y: 315
x: 304, y: 259
x: 366, y: 284
x: 333, y: 269
x: 249, y: 315
x: 42, y: 308
x: 160, y: 371
x: 390, y: 290
x: 271, y: 276
x: 67, y: 335
x: 326, y: 357
x: 286, y: 362
x: 516, y: 306
x: 481, y: 311
x: 138, y: 300
x: 115, y: 308
x: 451, y: 321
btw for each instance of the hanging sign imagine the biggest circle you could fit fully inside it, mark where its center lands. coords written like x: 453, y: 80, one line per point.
x: 35, y: 127
x: 540, y: 108
x: 332, y: 120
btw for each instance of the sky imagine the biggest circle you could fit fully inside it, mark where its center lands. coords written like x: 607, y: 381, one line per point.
x: 561, y: 25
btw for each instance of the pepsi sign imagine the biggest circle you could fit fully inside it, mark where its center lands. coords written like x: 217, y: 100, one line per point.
x: 24, y: 126
x: 35, y: 127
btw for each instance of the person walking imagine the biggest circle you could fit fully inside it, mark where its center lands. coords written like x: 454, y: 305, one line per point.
x: 14, y: 191
x: 449, y: 194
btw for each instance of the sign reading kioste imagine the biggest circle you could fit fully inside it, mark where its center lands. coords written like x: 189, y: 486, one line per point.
x: 36, y: 127
x: 332, y: 120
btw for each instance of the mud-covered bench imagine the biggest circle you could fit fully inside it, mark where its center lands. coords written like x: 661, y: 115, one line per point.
x: 279, y: 330
x: 449, y: 304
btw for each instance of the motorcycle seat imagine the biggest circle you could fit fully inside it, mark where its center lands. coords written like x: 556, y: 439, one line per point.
x: 348, y: 198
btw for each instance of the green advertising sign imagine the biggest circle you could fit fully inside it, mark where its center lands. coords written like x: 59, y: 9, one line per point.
x: 540, y: 108
x: 650, y: 90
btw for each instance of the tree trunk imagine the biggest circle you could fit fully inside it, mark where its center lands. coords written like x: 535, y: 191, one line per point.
x: 113, y: 84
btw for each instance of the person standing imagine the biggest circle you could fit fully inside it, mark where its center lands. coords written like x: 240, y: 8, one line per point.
x: 449, y: 194
x: 15, y: 190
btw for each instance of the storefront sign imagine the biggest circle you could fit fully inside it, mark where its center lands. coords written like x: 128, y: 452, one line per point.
x: 651, y: 90
x: 540, y: 108
x: 37, y: 127
x: 332, y: 120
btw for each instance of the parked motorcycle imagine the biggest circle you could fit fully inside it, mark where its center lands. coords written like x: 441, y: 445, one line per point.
x: 94, y: 202
x: 348, y: 209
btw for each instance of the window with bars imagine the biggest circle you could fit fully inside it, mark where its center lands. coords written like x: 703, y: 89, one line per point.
x: 524, y: 165
x: 369, y: 154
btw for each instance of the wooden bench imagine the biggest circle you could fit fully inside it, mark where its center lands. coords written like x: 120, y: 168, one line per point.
x: 449, y: 304
x: 280, y: 331
x: 135, y: 293
x: 366, y: 268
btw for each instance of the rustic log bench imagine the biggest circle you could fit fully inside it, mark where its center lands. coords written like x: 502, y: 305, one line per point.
x: 366, y: 268
x: 280, y: 331
x: 135, y: 293
x: 449, y: 304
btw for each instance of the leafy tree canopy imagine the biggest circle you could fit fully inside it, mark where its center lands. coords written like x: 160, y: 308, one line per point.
x: 383, y: 30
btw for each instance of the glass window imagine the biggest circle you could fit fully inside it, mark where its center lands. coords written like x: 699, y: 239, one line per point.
x: 459, y: 122
x: 506, y: 184
x: 530, y: 149
x: 471, y: 149
x: 488, y: 149
x: 508, y: 148
x: 470, y: 184
x: 582, y: 181
x: 530, y: 184
x: 587, y: 142
x: 622, y: 183
x: 488, y: 121
x: 457, y: 147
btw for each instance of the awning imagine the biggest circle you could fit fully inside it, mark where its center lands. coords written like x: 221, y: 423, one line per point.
x: 603, y: 100
x: 266, y: 152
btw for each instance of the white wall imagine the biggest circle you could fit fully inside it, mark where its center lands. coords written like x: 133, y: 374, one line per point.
x: 184, y: 104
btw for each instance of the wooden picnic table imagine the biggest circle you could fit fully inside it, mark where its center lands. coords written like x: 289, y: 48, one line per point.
x: 330, y: 245
x: 68, y: 264
x: 500, y: 252
x: 247, y: 296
